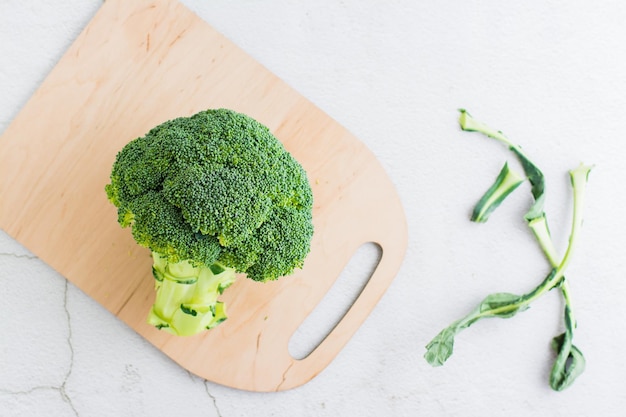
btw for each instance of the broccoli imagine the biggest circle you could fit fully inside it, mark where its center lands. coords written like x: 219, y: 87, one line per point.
x: 211, y: 195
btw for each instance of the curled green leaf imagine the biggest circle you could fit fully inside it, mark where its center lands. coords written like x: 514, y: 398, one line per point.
x: 503, y: 305
x: 440, y: 348
x: 570, y: 362
x: 506, y: 182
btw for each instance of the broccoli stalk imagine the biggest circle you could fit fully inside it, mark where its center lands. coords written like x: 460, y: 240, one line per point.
x: 507, y: 181
x: 186, y: 296
x: 211, y: 195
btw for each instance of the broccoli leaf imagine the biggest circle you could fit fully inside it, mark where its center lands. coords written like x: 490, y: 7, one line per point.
x: 440, y: 348
x: 503, y: 305
x: 506, y: 182
x: 570, y: 362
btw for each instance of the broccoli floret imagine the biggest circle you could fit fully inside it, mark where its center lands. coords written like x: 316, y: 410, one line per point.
x: 211, y: 195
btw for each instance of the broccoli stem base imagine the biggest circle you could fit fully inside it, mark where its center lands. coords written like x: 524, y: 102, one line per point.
x: 186, y: 300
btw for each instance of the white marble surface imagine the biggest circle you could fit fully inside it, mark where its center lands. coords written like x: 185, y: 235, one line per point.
x: 551, y: 74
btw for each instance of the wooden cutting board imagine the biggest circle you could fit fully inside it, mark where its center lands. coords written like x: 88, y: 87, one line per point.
x: 140, y: 63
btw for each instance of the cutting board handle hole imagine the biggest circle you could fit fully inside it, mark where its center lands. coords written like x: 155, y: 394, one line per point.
x: 336, y: 302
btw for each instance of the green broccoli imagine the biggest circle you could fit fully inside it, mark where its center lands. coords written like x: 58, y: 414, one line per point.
x: 211, y: 195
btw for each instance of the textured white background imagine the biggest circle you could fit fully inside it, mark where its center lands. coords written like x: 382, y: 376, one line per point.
x: 551, y: 74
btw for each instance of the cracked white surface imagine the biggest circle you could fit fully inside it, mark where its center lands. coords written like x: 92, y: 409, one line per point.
x: 551, y: 74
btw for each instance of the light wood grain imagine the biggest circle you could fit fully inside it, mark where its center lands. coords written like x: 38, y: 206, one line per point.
x: 134, y: 66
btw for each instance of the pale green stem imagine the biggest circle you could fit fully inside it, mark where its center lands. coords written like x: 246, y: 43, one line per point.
x: 539, y: 228
x: 469, y: 124
x: 186, y: 300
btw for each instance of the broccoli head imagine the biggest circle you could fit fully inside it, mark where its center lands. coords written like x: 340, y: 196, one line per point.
x: 211, y: 195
